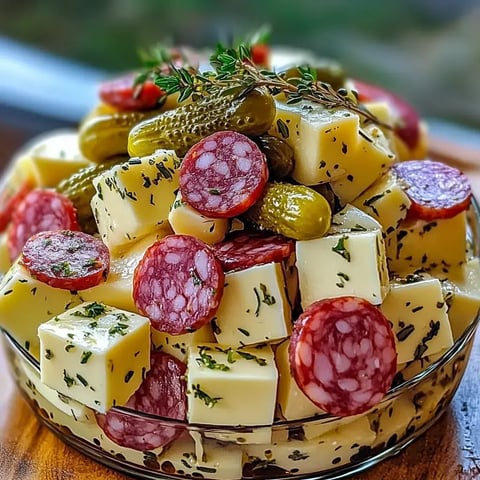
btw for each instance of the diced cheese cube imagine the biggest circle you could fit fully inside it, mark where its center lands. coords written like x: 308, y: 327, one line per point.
x: 254, y: 307
x: 337, y: 447
x: 55, y: 157
x: 416, y: 245
x: 179, y: 345
x: 416, y: 308
x: 25, y: 303
x: 116, y: 291
x: 341, y: 264
x: 364, y: 166
x: 463, y: 298
x: 5, y: 262
x: 227, y: 386
x: 133, y: 199
x: 351, y: 218
x: 293, y: 403
x: 184, y: 219
x: 385, y: 201
x: 95, y: 354
x: 406, y: 371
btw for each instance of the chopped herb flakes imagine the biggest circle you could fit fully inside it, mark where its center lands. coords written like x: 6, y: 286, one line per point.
x: 208, y: 361
x: 341, y: 249
x: 205, y: 397
x: 92, y: 310
x: 85, y: 357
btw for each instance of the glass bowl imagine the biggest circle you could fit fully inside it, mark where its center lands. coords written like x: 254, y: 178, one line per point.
x: 318, y: 448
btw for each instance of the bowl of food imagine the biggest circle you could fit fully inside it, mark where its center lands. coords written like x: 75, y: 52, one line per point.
x: 238, y: 272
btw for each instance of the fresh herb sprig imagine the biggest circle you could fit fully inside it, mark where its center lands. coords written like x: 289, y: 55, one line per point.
x: 235, y: 71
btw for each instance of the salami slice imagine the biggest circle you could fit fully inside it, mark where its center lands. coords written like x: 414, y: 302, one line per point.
x: 435, y: 189
x: 246, y: 249
x: 40, y: 210
x: 178, y: 284
x: 162, y: 393
x: 342, y: 355
x: 66, y: 259
x: 223, y: 175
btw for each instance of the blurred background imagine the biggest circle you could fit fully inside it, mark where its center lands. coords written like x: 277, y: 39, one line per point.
x: 426, y: 50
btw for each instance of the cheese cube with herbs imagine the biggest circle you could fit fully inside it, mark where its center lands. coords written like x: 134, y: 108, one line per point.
x: 386, y: 201
x: 292, y: 401
x: 133, y: 199
x: 222, y: 379
x: 347, y: 261
x: 436, y: 245
x: 254, y: 307
x: 55, y: 157
x: 417, y: 310
x: 26, y: 302
x: 184, y: 219
x: 95, y: 354
x: 116, y: 291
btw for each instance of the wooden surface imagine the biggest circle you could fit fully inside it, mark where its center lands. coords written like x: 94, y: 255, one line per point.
x: 450, y: 450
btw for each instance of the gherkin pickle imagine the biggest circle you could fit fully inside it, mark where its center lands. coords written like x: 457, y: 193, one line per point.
x: 251, y: 114
x: 296, y: 211
x: 280, y: 156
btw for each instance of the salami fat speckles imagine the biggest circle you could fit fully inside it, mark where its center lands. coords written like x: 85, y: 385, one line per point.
x: 246, y: 249
x: 342, y: 355
x: 66, y: 259
x: 162, y: 393
x: 436, y: 190
x: 178, y: 284
x: 223, y: 175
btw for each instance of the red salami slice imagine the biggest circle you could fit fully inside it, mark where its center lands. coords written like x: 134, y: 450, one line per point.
x: 66, y: 259
x: 39, y: 211
x: 436, y: 190
x: 178, y: 284
x: 247, y: 249
x: 223, y: 175
x: 162, y: 393
x: 342, y: 355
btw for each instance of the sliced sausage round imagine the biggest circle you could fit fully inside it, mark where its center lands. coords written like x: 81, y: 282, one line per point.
x: 39, y: 211
x: 223, y: 175
x: 436, y: 190
x: 162, y: 393
x: 342, y: 355
x: 66, y: 259
x: 246, y: 249
x: 178, y: 284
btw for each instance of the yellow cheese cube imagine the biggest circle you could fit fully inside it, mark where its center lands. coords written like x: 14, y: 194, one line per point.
x: 95, y: 354
x: 227, y: 386
x: 416, y: 308
x: 133, y: 199
x: 184, y: 219
x: 5, y: 262
x: 25, y: 303
x: 254, y: 307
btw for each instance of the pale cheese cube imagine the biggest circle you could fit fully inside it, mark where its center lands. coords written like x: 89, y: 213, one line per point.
x: 292, y: 401
x: 364, y: 166
x: 5, y: 262
x: 386, y: 201
x: 25, y: 303
x: 342, y: 264
x: 351, y: 218
x: 331, y: 450
x: 286, y: 124
x: 416, y: 308
x: 179, y: 345
x: 228, y: 386
x: 55, y: 157
x: 185, y: 220
x: 428, y: 245
x: 254, y: 307
x: 116, y: 291
x: 133, y: 199
x: 95, y: 354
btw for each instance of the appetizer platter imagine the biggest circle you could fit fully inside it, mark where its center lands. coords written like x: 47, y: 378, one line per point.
x: 246, y: 269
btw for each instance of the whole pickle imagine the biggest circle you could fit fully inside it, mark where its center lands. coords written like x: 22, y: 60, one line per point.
x: 279, y: 155
x: 104, y: 136
x: 251, y: 114
x: 296, y: 211
x: 80, y: 190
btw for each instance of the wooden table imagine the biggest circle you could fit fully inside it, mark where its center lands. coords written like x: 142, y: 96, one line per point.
x: 450, y: 450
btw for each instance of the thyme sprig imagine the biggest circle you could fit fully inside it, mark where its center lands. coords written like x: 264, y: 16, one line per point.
x: 235, y: 71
